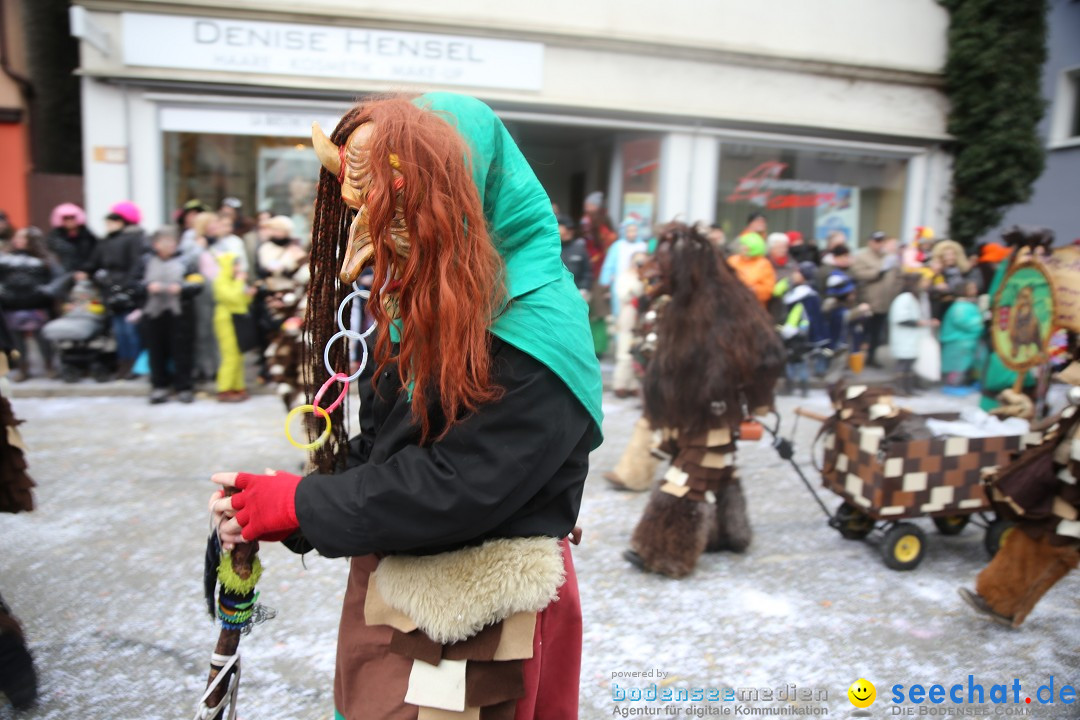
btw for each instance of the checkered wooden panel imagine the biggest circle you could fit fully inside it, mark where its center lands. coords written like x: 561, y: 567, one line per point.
x: 702, y: 465
x: 909, y: 479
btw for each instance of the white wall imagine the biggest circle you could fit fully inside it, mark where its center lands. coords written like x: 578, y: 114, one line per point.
x: 689, y: 168
x: 928, y: 201
x: 117, y: 118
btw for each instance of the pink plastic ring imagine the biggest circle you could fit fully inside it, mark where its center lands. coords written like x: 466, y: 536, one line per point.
x: 336, y: 377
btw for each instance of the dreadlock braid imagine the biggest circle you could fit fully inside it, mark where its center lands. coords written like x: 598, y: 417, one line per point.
x: 325, y: 294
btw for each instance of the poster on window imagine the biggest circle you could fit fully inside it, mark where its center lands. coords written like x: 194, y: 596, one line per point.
x: 638, y: 208
x: 839, y: 213
x: 288, y: 178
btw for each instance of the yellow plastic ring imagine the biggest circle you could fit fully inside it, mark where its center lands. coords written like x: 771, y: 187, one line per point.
x: 317, y: 442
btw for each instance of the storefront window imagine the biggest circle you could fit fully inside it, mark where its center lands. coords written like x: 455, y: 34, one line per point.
x: 641, y: 178
x: 276, y: 174
x: 814, y: 192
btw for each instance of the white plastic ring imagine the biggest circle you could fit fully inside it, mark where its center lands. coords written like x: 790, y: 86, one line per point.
x: 340, y: 319
x: 326, y: 357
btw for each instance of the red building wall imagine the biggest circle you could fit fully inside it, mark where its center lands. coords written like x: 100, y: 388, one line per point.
x: 13, y: 174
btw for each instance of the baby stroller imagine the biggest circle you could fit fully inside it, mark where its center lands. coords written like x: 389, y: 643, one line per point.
x: 81, y: 338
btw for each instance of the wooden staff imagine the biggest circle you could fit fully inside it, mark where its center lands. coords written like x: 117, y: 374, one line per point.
x: 242, y: 559
x: 243, y: 555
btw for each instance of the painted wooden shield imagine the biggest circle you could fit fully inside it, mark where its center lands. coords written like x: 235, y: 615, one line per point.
x: 1024, y: 316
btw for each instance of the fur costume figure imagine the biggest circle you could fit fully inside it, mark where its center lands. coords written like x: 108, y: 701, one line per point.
x: 1039, y: 492
x: 637, y: 466
x: 285, y: 306
x: 717, y: 358
x: 17, y: 677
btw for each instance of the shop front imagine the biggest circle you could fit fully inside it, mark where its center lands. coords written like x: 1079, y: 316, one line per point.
x: 816, y: 192
x: 216, y: 104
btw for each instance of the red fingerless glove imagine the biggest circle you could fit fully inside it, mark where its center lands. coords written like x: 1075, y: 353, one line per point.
x: 266, y: 505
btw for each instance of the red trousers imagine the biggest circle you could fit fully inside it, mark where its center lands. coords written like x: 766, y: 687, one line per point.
x: 552, y: 675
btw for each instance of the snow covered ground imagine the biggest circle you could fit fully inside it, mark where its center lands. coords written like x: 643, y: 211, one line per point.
x: 106, y: 577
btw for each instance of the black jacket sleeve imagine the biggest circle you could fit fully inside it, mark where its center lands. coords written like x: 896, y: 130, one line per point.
x: 490, y: 466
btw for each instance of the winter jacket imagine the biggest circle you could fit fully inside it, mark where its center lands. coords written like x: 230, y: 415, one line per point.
x: 777, y: 304
x: 805, y: 296
x: 845, y: 326
x: 230, y: 292
x: 116, y: 264
x: 166, y: 272
x: 26, y: 282
x: 877, y: 281
x: 905, y: 333
x: 616, y: 262
x: 72, y: 251
x: 805, y: 252
x: 961, y: 331
x: 803, y: 324
x: 209, y: 260
x: 946, y: 286
x: 756, y: 273
x: 513, y: 468
x: 575, y: 257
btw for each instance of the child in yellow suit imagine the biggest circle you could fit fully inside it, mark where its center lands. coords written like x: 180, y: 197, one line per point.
x: 231, y: 296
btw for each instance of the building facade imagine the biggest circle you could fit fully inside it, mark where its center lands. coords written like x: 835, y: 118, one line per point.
x: 1053, y: 203
x: 831, y: 119
x: 14, y: 128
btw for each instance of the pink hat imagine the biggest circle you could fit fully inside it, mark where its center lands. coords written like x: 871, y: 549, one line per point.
x: 56, y: 218
x: 127, y: 211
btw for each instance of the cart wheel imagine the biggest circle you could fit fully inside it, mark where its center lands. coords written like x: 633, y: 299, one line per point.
x: 903, y: 546
x: 70, y: 374
x: 852, y: 523
x: 951, y: 524
x: 996, y: 534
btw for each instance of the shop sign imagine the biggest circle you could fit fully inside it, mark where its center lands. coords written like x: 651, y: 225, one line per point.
x: 763, y: 186
x: 110, y: 154
x: 274, y: 48
x: 233, y: 121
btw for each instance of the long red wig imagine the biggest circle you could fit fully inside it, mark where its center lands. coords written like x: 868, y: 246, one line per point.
x: 448, y: 289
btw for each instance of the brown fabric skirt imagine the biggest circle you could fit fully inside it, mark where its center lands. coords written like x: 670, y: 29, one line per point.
x: 374, y: 662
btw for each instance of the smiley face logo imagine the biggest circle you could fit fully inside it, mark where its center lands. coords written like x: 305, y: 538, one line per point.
x: 862, y: 693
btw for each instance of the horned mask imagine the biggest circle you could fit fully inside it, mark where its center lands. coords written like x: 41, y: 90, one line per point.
x: 351, y: 165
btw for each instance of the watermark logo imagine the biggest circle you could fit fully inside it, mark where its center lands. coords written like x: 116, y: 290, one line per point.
x: 862, y: 693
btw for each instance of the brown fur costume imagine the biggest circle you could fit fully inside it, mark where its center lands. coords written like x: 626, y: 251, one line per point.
x: 285, y: 350
x: 1040, y: 492
x: 17, y: 677
x: 716, y: 356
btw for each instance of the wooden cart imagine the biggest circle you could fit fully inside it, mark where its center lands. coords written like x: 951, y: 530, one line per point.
x: 885, y: 483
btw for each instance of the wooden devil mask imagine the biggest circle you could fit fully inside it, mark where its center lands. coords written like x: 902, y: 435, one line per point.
x: 351, y: 165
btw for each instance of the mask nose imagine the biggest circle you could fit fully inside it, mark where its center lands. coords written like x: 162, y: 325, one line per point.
x: 358, y: 251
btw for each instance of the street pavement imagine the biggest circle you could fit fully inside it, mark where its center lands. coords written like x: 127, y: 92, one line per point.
x: 106, y: 576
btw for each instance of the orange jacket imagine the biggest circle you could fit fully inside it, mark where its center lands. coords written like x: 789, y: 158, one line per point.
x: 756, y: 273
